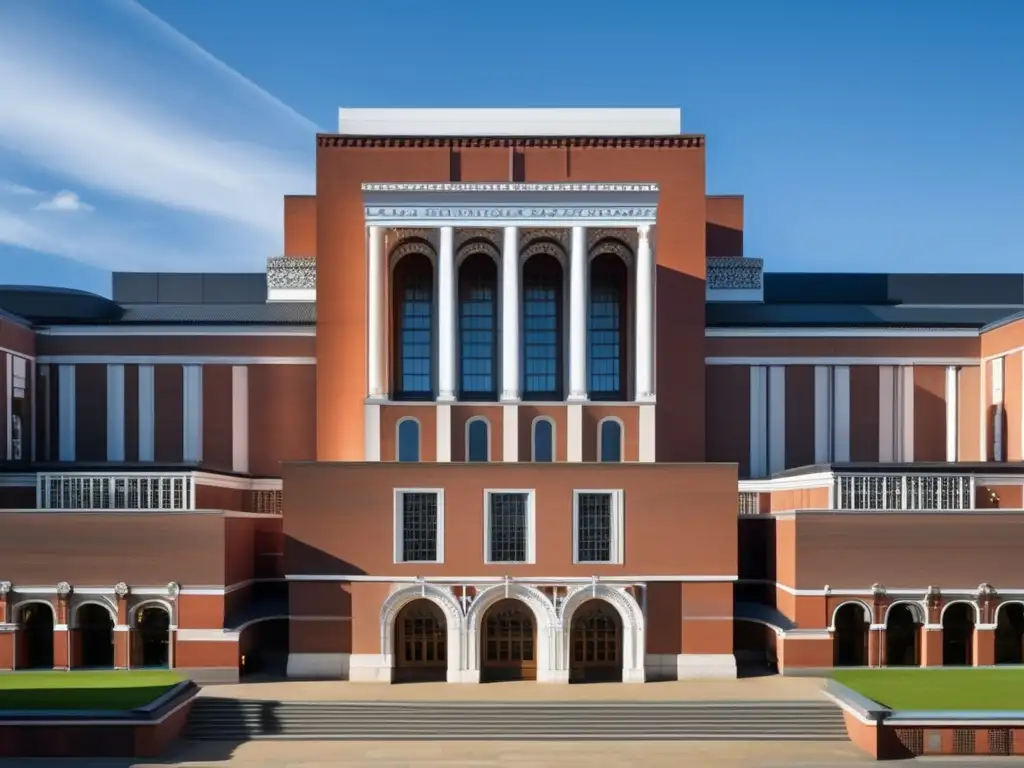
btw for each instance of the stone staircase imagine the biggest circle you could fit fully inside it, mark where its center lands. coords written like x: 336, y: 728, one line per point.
x: 218, y: 719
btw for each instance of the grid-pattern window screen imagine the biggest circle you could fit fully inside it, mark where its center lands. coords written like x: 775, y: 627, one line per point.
x: 19, y: 377
x: 419, y: 526
x: 594, y: 527
x: 509, y: 527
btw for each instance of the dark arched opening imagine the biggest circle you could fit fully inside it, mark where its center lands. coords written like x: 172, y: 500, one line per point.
x: 542, y: 328
x: 152, y: 637
x: 543, y: 440
x: 35, y: 636
x: 478, y: 440
x: 595, y: 644
x: 607, y: 328
x: 958, y: 635
x: 413, y: 321
x: 95, y: 630
x: 408, y: 438
x: 508, y: 647
x: 1010, y: 634
x: 610, y: 441
x: 421, y: 643
x: 850, y: 640
x: 902, y: 637
x: 478, y: 328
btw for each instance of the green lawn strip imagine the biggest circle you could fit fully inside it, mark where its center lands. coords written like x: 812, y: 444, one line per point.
x: 938, y: 689
x: 83, y: 690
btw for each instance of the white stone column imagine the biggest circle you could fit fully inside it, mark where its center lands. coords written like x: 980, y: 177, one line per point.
x: 579, y: 273
x: 446, y: 303
x: 375, y: 313
x: 644, y: 316
x: 510, y: 315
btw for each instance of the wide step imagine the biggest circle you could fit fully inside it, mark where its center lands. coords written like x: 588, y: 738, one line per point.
x: 243, y: 720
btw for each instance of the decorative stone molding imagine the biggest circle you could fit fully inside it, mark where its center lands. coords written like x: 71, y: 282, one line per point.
x: 548, y: 247
x: 289, y: 273
x: 464, y: 235
x: 614, y: 246
x: 877, y: 591
x: 331, y: 141
x: 625, y: 235
x: 5, y: 587
x: 411, y: 246
x: 503, y: 186
x: 63, y: 590
x: 121, y: 590
x: 735, y: 273
x: 395, y: 236
x: 173, y: 589
x: 559, y: 235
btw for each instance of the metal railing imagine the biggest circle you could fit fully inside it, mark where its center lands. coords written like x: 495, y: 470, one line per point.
x: 750, y: 503
x: 904, y: 492
x: 165, y: 491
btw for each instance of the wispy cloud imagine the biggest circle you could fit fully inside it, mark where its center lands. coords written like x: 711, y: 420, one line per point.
x: 65, y: 201
x: 10, y: 188
x: 147, y: 118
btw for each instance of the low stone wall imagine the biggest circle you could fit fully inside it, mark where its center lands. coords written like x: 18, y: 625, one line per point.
x: 886, y: 734
x: 143, y: 732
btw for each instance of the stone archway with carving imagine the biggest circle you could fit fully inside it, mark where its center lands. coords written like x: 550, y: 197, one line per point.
x: 545, y: 617
x: 614, y: 246
x: 408, y: 246
x: 477, y: 245
x: 545, y: 246
x: 633, y: 627
x: 453, y: 617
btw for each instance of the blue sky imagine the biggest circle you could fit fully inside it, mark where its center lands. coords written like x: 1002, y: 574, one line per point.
x: 867, y: 135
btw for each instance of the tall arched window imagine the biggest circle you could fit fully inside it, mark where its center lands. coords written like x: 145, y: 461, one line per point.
x: 609, y: 440
x: 413, y: 301
x: 542, y: 328
x: 478, y: 440
x: 543, y: 439
x: 478, y: 328
x: 408, y: 440
x: 607, y: 327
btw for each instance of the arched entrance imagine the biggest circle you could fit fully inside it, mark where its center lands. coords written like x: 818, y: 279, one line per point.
x: 35, y: 636
x: 1010, y: 634
x: 902, y: 636
x: 94, y: 632
x: 508, y: 648
x: 151, y: 645
x: 958, y: 635
x: 595, y: 644
x: 850, y: 638
x: 421, y: 643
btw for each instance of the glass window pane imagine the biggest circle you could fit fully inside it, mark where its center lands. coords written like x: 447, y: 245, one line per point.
x: 419, y: 527
x: 477, y: 441
x: 594, y: 527
x: 543, y: 441
x: 611, y: 440
x: 508, y: 527
x: 605, y: 327
x: 542, y: 328
x: 478, y: 328
x: 415, y: 281
x: 409, y: 440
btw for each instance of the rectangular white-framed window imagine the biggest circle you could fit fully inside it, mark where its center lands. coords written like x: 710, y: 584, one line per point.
x: 598, y: 526
x: 510, y: 526
x: 419, y: 525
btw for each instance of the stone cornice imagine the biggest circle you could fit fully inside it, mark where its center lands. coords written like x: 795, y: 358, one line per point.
x: 503, y: 186
x: 330, y: 141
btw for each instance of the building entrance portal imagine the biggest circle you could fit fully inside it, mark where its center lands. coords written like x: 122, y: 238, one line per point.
x: 850, y: 643
x: 508, y: 648
x: 1010, y: 634
x: 35, y: 637
x: 95, y: 639
x: 902, y: 636
x: 595, y: 644
x: 152, y: 637
x: 421, y: 643
x: 958, y: 635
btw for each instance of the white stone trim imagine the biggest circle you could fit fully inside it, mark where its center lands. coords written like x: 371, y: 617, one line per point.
x: 510, y: 433
x: 865, y: 608
x: 546, y: 625
x: 375, y: 302
x: 318, y: 666
x: 533, y: 437
x: 622, y: 438
x: 178, y: 330
x: 706, y: 666
x: 510, y: 315
x: 617, y: 524
x: 381, y: 668
x: 468, y: 426
x: 115, y: 413
x: 574, y: 433
x: 531, y: 525
x: 965, y: 362
x: 72, y: 360
x: 291, y: 295
x: 776, y: 419
x: 579, y: 304
x: 371, y: 435
x: 240, y: 418
x: 510, y: 121
x: 844, y: 333
x: 399, y: 524
x: 634, y: 641
x: 147, y: 413
x: 447, y: 328
x: 682, y: 578
x: 443, y: 438
x: 953, y: 412
x: 647, y: 438
x: 66, y: 415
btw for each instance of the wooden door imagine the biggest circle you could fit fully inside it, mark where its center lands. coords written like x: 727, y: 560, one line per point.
x: 595, y: 644
x: 509, y: 645
x: 421, y: 643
